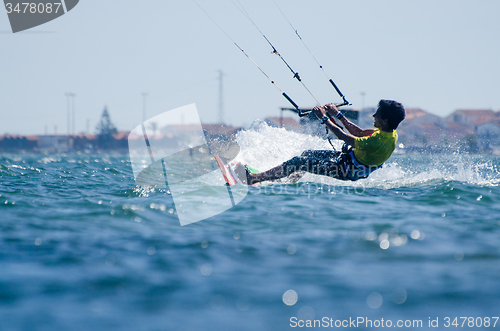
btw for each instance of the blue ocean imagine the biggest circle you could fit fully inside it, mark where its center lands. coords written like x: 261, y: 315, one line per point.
x: 83, y: 247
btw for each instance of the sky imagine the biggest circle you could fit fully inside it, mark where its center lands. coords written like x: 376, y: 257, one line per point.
x: 439, y: 56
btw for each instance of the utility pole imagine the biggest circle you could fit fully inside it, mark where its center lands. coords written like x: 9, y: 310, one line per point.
x: 68, y: 114
x: 144, y: 96
x: 70, y: 95
x: 73, y: 96
x: 221, y: 98
x: 363, y: 100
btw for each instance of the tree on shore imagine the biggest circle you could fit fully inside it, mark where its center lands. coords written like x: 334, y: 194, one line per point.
x: 105, y: 130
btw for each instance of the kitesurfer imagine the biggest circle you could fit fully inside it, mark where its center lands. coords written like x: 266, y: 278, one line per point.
x: 368, y: 148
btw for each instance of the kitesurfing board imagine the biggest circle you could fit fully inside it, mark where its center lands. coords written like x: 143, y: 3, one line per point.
x: 226, y: 172
x: 229, y: 175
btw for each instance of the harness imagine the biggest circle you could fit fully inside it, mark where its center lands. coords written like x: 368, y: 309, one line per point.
x: 353, y: 169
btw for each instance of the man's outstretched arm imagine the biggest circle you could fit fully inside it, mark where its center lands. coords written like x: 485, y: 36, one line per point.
x: 346, y: 137
x: 350, y: 126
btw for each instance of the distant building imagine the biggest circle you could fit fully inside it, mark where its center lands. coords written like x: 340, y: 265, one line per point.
x: 14, y: 143
x: 288, y: 123
x: 54, y: 143
x: 174, y: 135
x: 456, y: 131
x: 119, y: 141
x: 84, y: 142
x: 221, y: 130
x: 488, y: 135
x: 421, y: 128
x: 483, y: 127
x: 488, y: 130
x: 468, y: 116
x: 417, y: 115
x: 420, y: 134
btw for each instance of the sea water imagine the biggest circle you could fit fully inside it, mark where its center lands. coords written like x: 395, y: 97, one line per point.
x: 82, y: 247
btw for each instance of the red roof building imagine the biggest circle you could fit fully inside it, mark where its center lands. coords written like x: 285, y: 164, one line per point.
x: 468, y: 116
x: 288, y: 123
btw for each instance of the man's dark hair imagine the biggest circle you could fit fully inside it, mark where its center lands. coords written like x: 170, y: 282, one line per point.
x: 392, y: 111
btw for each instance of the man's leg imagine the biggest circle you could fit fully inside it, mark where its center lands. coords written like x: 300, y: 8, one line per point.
x: 306, y: 162
x: 323, y: 166
x: 321, y: 154
x: 295, y: 164
x: 271, y: 174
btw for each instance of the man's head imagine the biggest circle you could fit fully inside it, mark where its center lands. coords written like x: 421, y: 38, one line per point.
x: 389, y: 114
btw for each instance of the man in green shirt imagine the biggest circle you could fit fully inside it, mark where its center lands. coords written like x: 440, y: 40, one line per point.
x: 370, y: 148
